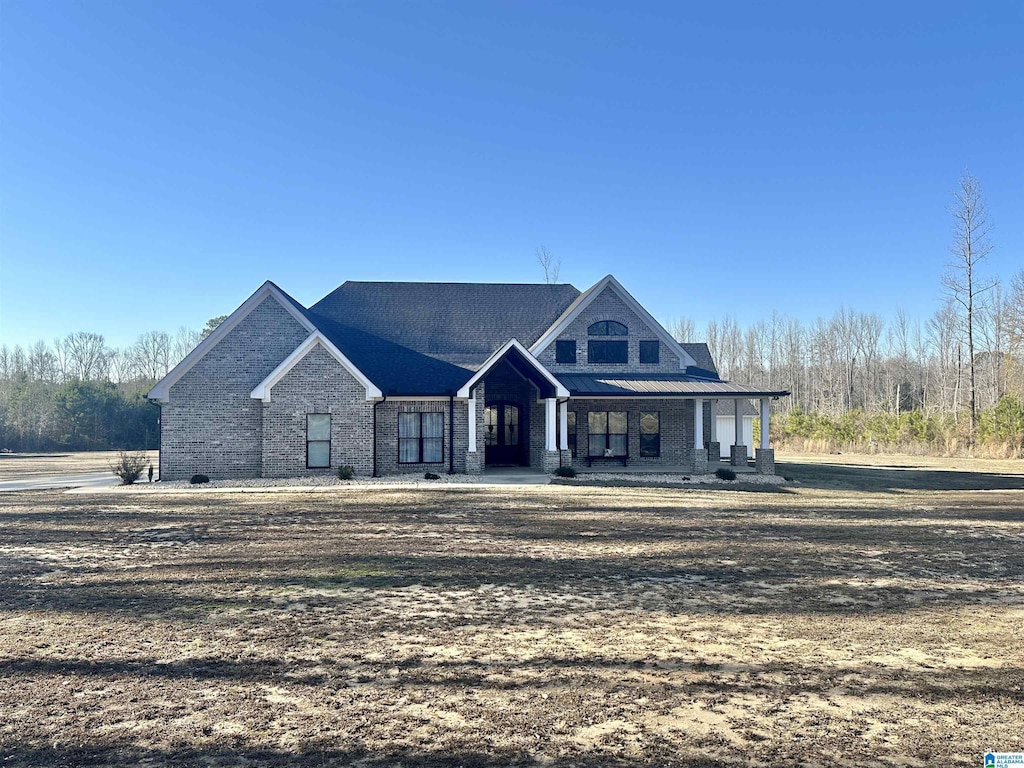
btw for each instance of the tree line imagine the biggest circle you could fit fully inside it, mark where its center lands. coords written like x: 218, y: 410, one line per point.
x: 950, y: 382
x: 80, y: 394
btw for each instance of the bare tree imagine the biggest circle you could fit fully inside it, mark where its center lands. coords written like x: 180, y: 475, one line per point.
x: 970, y: 245
x: 551, y: 265
x: 152, y: 354
x: 86, y: 355
x: 681, y: 328
x: 185, y: 340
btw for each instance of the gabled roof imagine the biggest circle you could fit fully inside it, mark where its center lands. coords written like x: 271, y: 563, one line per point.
x: 459, y: 323
x: 315, y: 339
x: 587, y: 297
x: 701, y: 355
x: 161, y: 391
x: 727, y: 408
x: 523, y: 361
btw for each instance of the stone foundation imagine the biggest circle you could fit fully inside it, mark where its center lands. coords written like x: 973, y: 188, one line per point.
x: 715, y: 451
x: 700, y: 462
x: 738, y: 455
x: 764, y: 461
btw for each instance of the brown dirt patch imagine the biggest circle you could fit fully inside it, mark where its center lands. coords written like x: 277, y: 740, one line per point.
x: 864, y: 624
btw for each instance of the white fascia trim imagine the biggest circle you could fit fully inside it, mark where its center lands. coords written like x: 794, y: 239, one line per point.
x: 560, y: 390
x: 262, y: 391
x: 608, y: 281
x: 162, y: 389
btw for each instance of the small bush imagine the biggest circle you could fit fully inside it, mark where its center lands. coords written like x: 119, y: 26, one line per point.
x: 199, y: 479
x: 129, y: 466
x: 431, y: 476
x: 565, y: 472
x: 347, y: 472
x: 725, y: 474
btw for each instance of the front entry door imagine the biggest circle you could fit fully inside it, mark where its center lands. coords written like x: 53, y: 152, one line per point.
x: 503, y: 440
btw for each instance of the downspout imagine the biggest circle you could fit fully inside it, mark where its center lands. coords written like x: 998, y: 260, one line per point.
x: 451, y: 434
x: 375, y: 404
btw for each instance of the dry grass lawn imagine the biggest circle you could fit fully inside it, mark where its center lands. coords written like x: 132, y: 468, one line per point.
x: 17, y: 466
x: 870, y: 615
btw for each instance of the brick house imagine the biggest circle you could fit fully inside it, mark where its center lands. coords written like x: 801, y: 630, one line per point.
x: 444, y: 377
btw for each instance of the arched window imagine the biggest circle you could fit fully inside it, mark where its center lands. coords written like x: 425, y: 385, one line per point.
x: 606, y: 350
x: 607, y: 328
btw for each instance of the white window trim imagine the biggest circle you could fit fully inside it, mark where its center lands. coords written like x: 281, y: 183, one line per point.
x: 560, y: 390
x: 262, y: 390
x: 586, y: 298
x: 162, y: 389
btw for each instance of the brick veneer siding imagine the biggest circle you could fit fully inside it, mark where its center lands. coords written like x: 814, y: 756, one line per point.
x: 676, y: 422
x: 317, y: 384
x: 387, y: 436
x: 608, y: 306
x: 210, y: 425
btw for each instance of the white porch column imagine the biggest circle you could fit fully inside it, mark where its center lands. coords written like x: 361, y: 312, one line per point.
x: 714, y: 422
x: 737, y: 423
x: 563, y: 425
x: 549, y: 423
x: 698, y: 424
x: 764, y: 422
x: 471, y: 403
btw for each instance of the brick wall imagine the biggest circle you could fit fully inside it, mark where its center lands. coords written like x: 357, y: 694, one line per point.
x: 387, y: 435
x: 317, y: 384
x: 210, y: 425
x: 676, y: 421
x: 608, y: 306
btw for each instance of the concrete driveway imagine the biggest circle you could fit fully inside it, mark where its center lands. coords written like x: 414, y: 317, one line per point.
x: 43, y: 482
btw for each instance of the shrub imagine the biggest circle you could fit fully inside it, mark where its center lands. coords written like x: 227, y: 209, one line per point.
x: 725, y: 474
x: 347, y: 472
x: 431, y: 476
x: 199, y: 479
x: 565, y: 472
x: 129, y: 466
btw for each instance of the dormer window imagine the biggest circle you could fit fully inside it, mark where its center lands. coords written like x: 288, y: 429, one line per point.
x: 605, y: 350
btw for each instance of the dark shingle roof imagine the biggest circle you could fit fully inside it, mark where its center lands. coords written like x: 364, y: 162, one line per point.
x: 701, y: 354
x: 459, y: 323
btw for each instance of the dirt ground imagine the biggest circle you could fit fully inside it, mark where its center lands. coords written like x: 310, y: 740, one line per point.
x: 14, y: 466
x: 868, y: 615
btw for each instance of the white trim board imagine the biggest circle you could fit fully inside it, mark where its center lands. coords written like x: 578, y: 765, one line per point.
x: 161, y: 391
x: 262, y: 390
x: 585, y: 299
x: 560, y: 390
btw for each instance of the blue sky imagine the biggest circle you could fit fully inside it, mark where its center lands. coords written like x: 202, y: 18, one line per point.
x: 159, y: 160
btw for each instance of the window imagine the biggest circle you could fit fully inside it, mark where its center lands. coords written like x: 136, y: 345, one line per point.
x: 318, y: 440
x: 607, y: 433
x: 607, y: 352
x: 650, y: 434
x: 607, y: 328
x: 565, y: 352
x: 650, y: 351
x: 570, y: 429
x: 420, y: 438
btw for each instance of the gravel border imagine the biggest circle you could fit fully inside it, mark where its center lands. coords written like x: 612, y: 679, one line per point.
x: 666, y: 479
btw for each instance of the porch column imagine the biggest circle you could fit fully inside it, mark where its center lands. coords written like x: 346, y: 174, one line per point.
x: 738, y: 452
x: 472, y: 424
x: 764, y: 422
x: 563, y: 425
x: 698, y: 424
x: 764, y: 457
x: 700, y: 455
x: 714, y: 447
x: 549, y: 423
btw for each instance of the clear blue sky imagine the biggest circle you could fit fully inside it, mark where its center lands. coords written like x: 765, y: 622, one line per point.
x: 160, y: 160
